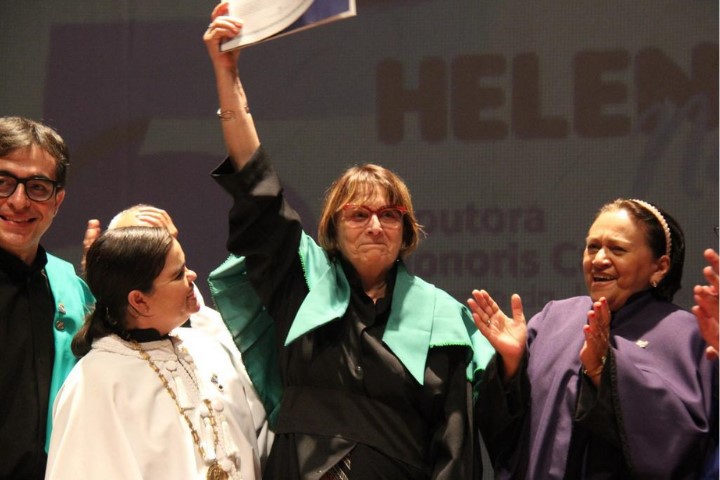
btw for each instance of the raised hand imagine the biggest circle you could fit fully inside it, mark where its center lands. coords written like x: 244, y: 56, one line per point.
x: 597, y: 340
x: 706, y: 304
x: 153, y: 217
x: 506, y: 335
x: 92, y: 232
x: 241, y: 137
x: 222, y: 27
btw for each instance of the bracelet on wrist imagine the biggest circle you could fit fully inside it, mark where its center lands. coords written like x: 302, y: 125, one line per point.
x: 596, y: 371
x: 230, y: 114
x: 593, y: 373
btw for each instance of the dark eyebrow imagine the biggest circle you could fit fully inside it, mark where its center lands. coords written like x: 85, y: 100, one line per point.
x: 31, y: 177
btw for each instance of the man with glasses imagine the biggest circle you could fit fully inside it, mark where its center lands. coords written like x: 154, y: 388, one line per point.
x: 42, y: 301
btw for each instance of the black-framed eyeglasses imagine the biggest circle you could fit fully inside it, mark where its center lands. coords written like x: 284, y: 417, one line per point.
x: 38, y: 189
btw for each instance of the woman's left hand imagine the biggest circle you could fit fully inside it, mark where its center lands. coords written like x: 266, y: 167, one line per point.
x: 706, y: 304
x: 597, y: 340
x: 507, y: 335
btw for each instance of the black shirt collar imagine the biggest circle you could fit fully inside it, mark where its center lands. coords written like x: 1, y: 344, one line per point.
x: 142, y: 335
x: 16, y: 268
x: 636, y: 296
x: 357, y: 288
x: 634, y: 303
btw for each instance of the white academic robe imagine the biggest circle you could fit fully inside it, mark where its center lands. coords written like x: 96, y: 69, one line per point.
x: 114, y: 419
x: 210, y: 321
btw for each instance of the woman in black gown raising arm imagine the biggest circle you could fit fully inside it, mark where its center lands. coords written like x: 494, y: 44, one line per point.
x: 376, y: 365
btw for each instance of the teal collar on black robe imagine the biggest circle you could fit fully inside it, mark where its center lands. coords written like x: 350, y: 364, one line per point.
x: 422, y: 316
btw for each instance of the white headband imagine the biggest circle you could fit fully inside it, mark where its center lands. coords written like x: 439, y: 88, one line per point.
x: 661, y: 221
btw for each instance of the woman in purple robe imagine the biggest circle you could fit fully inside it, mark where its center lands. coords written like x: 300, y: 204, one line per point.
x: 610, y: 385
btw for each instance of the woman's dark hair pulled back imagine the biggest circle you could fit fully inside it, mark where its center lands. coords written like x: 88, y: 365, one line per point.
x: 121, y: 260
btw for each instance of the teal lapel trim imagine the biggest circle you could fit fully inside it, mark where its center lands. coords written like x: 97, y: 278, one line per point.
x: 252, y: 328
x: 422, y: 316
x: 409, y: 330
x: 329, y: 294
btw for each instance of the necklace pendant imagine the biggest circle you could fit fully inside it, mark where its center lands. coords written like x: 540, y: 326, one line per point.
x: 215, y: 472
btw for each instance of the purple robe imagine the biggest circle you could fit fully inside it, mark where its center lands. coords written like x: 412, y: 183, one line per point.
x: 649, y: 418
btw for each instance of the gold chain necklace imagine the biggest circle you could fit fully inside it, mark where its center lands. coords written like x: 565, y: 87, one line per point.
x: 215, y: 471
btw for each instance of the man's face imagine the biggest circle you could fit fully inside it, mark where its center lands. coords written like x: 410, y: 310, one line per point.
x: 23, y: 221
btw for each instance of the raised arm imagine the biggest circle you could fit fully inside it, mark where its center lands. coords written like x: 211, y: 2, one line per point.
x: 241, y: 139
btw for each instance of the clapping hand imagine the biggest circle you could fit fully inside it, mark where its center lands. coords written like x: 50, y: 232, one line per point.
x: 706, y: 304
x: 597, y: 340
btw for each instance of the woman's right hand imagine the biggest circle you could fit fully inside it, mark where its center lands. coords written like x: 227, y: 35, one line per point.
x: 222, y: 27
x: 241, y: 137
x: 506, y: 335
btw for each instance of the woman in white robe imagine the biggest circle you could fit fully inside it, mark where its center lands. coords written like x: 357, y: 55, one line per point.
x: 149, y: 399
